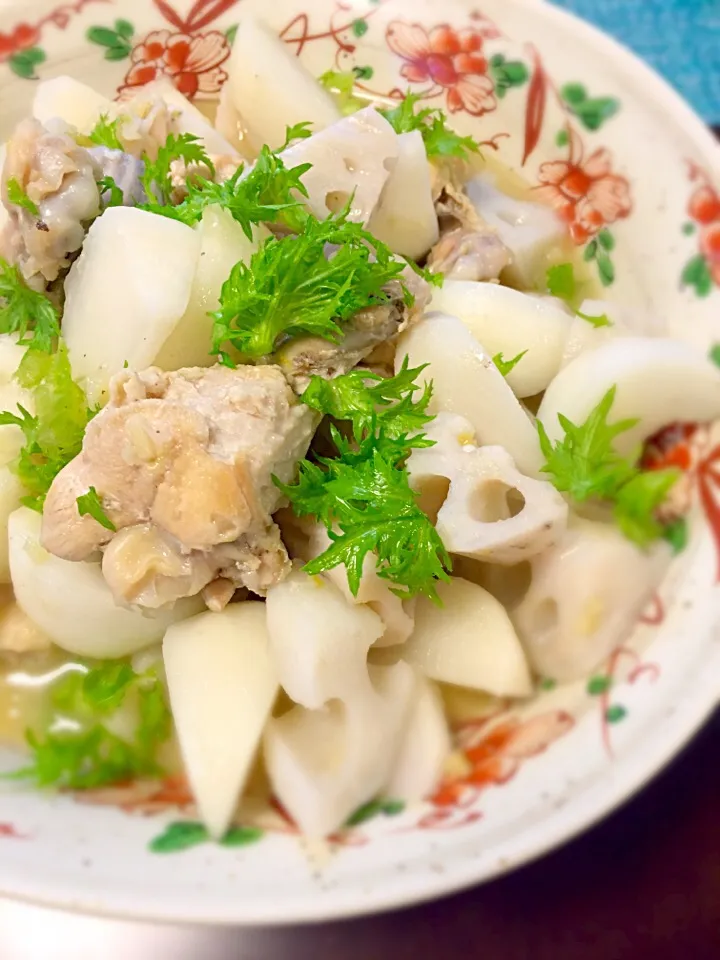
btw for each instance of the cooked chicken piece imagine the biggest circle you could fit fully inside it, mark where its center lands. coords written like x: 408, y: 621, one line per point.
x: 305, y: 357
x: 224, y: 164
x: 468, y: 248
x: 59, y: 177
x: 464, y: 253
x: 184, y: 462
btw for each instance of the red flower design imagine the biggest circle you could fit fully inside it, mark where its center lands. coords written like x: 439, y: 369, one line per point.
x: 22, y: 37
x: 710, y: 248
x: 192, y: 63
x: 495, y: 757
x: 586, y: 193
x: 452, y: 59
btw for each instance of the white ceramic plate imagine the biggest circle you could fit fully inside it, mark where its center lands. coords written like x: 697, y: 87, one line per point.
x: 633, y: 171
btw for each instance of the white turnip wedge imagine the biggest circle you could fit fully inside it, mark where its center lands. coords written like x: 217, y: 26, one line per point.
x: 222, y: 686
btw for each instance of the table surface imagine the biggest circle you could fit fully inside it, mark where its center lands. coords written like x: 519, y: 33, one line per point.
x: 643, y: 885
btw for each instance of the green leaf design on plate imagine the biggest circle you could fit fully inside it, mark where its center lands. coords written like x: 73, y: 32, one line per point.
x: 592, y: 112
x: 507, y: 74
x: 606, y: 240
x: 606, y: 268
x: 697, y: 275
x: 23, y: 63
x: 230, y: 33
x: 688, y: 228
x: 363, y: 73
x: 590, y: 251
x: 359, y: 28
x: 180, y: 835
x: 598, y: 685
x: 390, y: 808
x: 117, y: 40
x: 677, y: 534
x: 715, y: 354
x: 615, y: 713
x: 242, y: 836
x: 547, y: 683
x: 562, y: 139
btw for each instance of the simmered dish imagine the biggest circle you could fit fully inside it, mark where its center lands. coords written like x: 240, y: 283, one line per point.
x: 314, y: 426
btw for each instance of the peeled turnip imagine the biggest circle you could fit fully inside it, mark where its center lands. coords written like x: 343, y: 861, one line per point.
x: 11, y: 490
x: 71, y: 101
x: 509, y: 322
x: 71, y: 601
x: 469, y: 641
x: 222, y: 686
x: 222, y: 244
x: 126, y: 293
x: 405, y: 217
x: 468, y: 383
x: 318, y: 640
x: 270, y: 89
x: 658, y: 382
x: 12, y: 394
x: 585, y: 597
x: 424, y: 749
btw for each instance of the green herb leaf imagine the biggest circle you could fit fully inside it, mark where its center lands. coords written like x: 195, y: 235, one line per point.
x: 90, y: 504
x: 600, y: 320
x: 505, y: 366
x: 25, y: 311
x: 266, y: 194
x: 290, y: 286
x: 108, y: 185
x: 17, y: 195
x: 636, y: 503
x: 341, y: 83
x: 584, y: 463
x: 440, y: 140
x: 560, y: 281
x: 677, y: 535
x: 105, y: 133
x: 53, y: 437
x: 156, y: 178
x: 178, y: 836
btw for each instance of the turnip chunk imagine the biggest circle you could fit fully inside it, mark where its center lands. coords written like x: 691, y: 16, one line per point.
x: 405, y: 217
x: 529, y: 230
x: 11, y: 492
x: 222, y: 244
x: 352, y: 158
x: 318, y: 640
x: 585, y: 597
x: 72, y: 603
x: 509, y: 322
x: 126, y: 292
x: 467, y: 382
x: 269, y: 89
x: 425, y: 747
x: 12, y: 394
x: 658, y: 382
x: 468, y: 641
x: 324, y: 764
x: 222, y: 686
x: 74, y: 102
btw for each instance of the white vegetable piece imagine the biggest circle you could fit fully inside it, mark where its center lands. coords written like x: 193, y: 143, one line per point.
x: 135, y: 273
x: 12, y: 394
x: 71, y: 101
x: 223, y: 243
x: 324, y: 764
x: 269, y: 88
x: 585, y: 597
x: 71, y: 601
x: 186, y: 117
x: 11, y: 491
x: 375, y: 592
x: 425, y: 747
x: 658, y: 382
x: 509, y: 322
x: 222, y: 686
x: 468, y: 383
x: 319, y: 641
x: 529, y: 230
x: 477, y: 521
x: 469, y: 641
x: 352, y: 158
x: 405, y: 217
x: 583, y: 337
x: 4, y: 215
